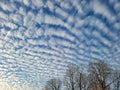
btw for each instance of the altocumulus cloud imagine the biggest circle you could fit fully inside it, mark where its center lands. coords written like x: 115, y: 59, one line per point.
x: 38, y: 38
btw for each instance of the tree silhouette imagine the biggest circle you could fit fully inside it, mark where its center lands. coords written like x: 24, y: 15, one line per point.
x: 53, y: 84
x: 100, y: 76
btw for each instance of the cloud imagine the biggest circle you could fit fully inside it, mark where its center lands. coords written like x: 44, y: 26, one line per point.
x: 4, y: 85
x: 38, y: 38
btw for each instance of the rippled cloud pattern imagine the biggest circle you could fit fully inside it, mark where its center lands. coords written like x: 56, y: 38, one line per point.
x: 38, y: 38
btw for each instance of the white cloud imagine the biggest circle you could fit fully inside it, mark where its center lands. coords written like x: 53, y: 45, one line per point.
x: 117, y: 25
x: 37, y: 3
x: 61, y: 12
x: 26, y: 2
x: 3, y: 16
x: 78, y: 6
x: 28, y: 19
x: 16, y: 18
x: 22, y: 11
x: 79, y: 23
x: 40, y: 17
x: 65, y: 4
x: 117, y: 6
x: 10, y: 25
x: 50, y: 5
x: 103, y: 10
x: 5, y: 6
x: 70, y: 19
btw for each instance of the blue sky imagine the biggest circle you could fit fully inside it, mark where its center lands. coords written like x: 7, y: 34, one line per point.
x: 38, y: 38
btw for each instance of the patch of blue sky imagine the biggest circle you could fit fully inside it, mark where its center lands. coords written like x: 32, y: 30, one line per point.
x: 46, y: 10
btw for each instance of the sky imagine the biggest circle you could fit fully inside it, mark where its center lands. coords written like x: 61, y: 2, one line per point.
x: 39, y: 38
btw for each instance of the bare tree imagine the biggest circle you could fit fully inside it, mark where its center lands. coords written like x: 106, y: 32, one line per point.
x: 81, y: 79
x: 99, y: 75
x: 53, y: 84
x: 70, y: 78
x: 116, y: 80
x: 75, y: 78
x: 46, y: 88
